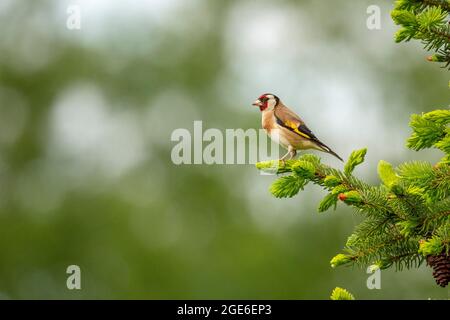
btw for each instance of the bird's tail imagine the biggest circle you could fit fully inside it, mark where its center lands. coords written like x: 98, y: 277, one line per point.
x: 327, y: 149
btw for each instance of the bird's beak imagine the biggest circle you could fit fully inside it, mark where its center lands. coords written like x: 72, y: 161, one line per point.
x: 257, y: 103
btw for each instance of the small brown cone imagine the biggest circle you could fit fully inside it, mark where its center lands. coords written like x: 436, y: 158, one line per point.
x: 441, y: 268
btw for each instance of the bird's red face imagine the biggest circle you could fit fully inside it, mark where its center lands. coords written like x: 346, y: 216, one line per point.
x: 266, y: 101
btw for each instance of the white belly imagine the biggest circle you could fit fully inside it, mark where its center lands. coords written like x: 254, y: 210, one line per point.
x: 276, y: 136
x: 287, y: 138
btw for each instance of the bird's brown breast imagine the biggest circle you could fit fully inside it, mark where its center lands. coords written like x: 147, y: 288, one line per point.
x: 268, y: 120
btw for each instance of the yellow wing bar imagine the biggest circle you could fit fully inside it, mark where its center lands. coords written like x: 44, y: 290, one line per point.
x: 293, y: 126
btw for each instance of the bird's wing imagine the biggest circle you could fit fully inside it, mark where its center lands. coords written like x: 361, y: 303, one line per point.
x: 286, y: 118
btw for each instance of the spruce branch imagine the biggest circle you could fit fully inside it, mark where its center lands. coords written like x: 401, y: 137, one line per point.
x: 426, y: 21
x: 406, y: 217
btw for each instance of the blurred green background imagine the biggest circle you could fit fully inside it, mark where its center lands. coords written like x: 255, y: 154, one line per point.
x: 86, y: 117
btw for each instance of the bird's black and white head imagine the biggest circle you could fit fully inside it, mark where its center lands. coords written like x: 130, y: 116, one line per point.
x: 267, y: 101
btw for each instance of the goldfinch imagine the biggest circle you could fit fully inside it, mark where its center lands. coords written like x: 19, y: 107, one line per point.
x: 287, y: 128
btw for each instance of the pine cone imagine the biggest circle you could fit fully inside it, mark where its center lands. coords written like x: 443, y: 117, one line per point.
x: 441, y: 268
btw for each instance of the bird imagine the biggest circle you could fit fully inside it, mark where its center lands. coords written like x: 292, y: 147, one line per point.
x: 286, y: 128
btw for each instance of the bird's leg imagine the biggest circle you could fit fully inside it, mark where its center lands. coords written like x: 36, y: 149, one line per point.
x: 285, y: 156
x: 292, y: 152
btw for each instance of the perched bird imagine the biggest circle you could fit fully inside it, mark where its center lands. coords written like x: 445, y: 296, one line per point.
x: 287, y: 128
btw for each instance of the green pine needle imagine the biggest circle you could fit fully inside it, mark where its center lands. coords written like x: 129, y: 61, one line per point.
x: 329, y: 201
x: 341, y: 294
x: 356, y: 158
x: 387, y: 174
x: 287, y: 186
